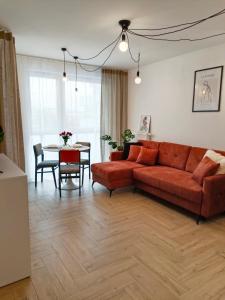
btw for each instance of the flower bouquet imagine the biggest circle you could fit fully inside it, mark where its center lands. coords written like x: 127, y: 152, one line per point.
x: 66, y: 135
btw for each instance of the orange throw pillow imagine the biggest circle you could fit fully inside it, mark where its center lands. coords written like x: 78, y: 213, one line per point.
x: 147, y: 156
x: 134, y: 152
x: 206, y: 167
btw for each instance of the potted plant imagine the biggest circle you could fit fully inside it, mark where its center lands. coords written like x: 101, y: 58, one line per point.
x: 66, y: 135
x: 126, y: 137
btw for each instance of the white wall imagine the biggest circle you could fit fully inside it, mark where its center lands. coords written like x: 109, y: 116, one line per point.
x: 166, y: 93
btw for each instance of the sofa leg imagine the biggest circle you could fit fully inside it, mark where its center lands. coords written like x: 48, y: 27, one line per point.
x: 110, y: 193
x: 134, y: 189
x: 199, y: 218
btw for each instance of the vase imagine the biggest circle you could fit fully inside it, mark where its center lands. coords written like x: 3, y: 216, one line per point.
x: 65, y: 141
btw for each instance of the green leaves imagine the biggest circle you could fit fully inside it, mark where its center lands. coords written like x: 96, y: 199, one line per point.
x: 106, y: 137
x: 126, y: 136
x: 113, y: 144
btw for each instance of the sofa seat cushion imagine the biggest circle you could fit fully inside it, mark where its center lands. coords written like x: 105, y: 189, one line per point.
x: 173, y: 181
x: 115, y: 170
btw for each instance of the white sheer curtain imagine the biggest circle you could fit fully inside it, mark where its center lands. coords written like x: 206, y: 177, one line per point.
x: 49, y: 106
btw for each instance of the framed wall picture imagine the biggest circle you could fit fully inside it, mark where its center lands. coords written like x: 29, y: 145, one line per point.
x: 207, y: 89
x: 145, y: 123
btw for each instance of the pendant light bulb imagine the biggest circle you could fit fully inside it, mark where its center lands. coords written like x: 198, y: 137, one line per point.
x: 123, y: 46
x: 64, y: 77
x: 137, y: 79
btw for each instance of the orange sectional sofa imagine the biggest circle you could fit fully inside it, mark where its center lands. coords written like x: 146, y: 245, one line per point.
x: 170, y: 179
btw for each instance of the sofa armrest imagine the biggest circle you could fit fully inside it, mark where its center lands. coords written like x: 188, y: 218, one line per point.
x: 213, y: 195
x: 116, y: 155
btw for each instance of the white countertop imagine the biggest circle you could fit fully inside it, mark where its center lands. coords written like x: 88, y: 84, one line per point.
x: 10, y: 170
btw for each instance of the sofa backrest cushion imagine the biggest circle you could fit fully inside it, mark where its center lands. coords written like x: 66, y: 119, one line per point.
x: 149, y: 144
x: 147, y: 156
x: 206, y: 167
x: 134, y: 152
x: 195, y: 156
x: 173, y: 155
x: 126, y: 149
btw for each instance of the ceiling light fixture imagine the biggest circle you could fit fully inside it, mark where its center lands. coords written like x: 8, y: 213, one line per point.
x: 123, y: 45
x: 137, y: 79
x: 64, y: 78
x: 122, y: 40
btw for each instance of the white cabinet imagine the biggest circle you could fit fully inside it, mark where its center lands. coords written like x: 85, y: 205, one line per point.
x: 14, y: 223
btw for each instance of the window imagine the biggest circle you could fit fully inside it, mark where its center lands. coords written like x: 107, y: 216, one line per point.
x: 49, y: 106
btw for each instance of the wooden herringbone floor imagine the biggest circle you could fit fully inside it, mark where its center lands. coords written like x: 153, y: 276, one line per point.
x: 124, y: 247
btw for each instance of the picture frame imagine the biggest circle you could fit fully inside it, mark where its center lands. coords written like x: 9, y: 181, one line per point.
x: 145, y: 124
x: 207, y: 90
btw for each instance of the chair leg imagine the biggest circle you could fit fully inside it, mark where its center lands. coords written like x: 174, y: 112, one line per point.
x: 110, y: 193
x: 42, y: 175
x: 89, y: 171
x: 35, y: 177
x: 93, y: 182
x: 80, y: 184
x: 60, y: 193
x: 82, y: 175
x: 53, y: 172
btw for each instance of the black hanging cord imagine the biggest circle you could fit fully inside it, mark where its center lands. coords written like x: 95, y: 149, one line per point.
x: 100, y: 52
x: 76, y: 75
x: 106, y: 47
x: 179, y: 25
x: 99, y: 67
x: 176, y: 40
x: 70, y: 54
x: 64, y: 62
x: 138, y: 67
x: 131, y: 54
x: 174, y: 31
x: 155, y: 37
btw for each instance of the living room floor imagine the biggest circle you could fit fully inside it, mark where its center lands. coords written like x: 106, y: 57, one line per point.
x: 125, y: 247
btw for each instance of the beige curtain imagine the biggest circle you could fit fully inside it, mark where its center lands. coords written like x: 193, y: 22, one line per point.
x: 114, y: 95
x: 10, y: 113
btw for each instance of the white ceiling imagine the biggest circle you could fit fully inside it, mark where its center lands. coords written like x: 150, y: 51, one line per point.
x: 42, y: 27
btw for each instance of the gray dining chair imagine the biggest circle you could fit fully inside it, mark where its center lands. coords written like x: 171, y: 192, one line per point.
x: 43, y: 164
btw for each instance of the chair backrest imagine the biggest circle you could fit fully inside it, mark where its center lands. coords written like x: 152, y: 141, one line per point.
x: 69, y: 156
x: 86, y: 144
x: 38, y: 150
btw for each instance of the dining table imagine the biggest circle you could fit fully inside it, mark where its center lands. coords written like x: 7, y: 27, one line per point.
x: 69, y: 184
